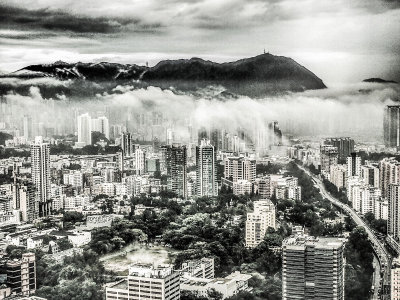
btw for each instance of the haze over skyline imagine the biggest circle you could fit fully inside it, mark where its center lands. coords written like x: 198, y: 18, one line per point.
x: 340, y: 41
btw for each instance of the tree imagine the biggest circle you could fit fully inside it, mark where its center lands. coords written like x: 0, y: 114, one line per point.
x: 64, y: 244
x: 359, y: 269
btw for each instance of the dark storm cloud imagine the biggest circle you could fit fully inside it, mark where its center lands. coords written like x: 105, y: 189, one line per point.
x: 50, y: 20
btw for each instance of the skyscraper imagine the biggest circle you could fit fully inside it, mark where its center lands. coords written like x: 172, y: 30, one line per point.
x: 140, y: 161
x: 175, y: 160
x: 353, y: 165
x: 344, y: 145
x: 206, y: 174
x: 389, y: 172
x: 393, y: 224
x: 329, y: 156
x: 40, y: 156
x: 313, y: 268
x: 84, y: 130
x: 391, y: 126
x: 127, y: 144
x: 27, y: 127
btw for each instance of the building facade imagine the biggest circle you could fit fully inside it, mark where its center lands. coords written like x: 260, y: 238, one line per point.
x: 147, y: 282
x: 84, y: 130
x: 21, y: 275
x: 391, y: 126
x: 40, y: 156
x: 258, y: 221
x: 344, y: 145
x: 206, y: 173
x: 175, y: 159
x: 313, y: 268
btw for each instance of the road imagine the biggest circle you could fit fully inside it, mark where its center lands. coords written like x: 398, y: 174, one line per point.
x: 382, y: 255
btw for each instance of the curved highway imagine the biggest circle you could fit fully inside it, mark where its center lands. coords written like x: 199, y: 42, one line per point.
x: 380, y: 251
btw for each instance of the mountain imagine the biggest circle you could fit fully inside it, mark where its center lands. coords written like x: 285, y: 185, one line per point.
x: 378, y: 80
x: 255, y: 76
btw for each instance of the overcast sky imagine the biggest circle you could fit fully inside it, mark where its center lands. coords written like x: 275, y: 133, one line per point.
x: 339, y: 40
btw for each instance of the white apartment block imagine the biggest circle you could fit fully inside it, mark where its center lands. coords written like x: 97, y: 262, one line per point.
x: 362, y: 196
x: 242, y: 187
x: 338, y: 176
x: 74, y: 178
x: 381, y: 209
x: 258, y: 222
x: 146, y: 281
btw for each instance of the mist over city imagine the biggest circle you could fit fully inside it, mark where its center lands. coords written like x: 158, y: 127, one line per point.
x: 199, y: 150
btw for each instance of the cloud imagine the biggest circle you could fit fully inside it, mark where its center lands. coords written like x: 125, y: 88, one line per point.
x: 350, y: 110
x: 58, y: 20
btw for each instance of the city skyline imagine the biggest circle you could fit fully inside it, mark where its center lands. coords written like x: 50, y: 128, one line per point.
x: 200, y: 150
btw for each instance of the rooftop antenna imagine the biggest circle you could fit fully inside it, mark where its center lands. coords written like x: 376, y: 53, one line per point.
x: 264, y: 50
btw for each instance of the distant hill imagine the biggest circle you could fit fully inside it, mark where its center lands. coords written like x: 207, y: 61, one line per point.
x: 255, y: 76
x: 378, y: 80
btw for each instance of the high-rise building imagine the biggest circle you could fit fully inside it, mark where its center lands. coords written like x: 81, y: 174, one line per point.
x: 240, y: 168
x: 258, y: 221
x: 40, y: 156
x: 344, y: 145
x: 170, y: 136
x: 313, y: 268
x: 140, y: 160
x: 101, y: 125
x: 84, y: 130
x: 363, y: 197
x: 353, y: 165
x: 206, y: 173
x: 393, y: 224
x: 21, y: 275
x: 370, y: 175
x: 389, y: 173
x: 127, y: 146
x: 395, y: 280
x: 147, y: 282
x: 175, y: 160
x: 329, y: 156
x: 264, y: 187
x: 338, y: 176
x: 27, y: 127
x: 24, y: 200
x: 391, y: 126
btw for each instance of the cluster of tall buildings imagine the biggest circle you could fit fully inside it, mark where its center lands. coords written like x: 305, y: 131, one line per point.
x: 86, y: 125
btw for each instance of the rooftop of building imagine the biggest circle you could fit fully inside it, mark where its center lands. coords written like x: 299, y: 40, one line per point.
x: 306, y: 240
x: 122, y: 284
x: 150, y: 270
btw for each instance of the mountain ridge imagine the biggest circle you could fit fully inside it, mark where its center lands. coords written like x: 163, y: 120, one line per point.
x: 255, y: 76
